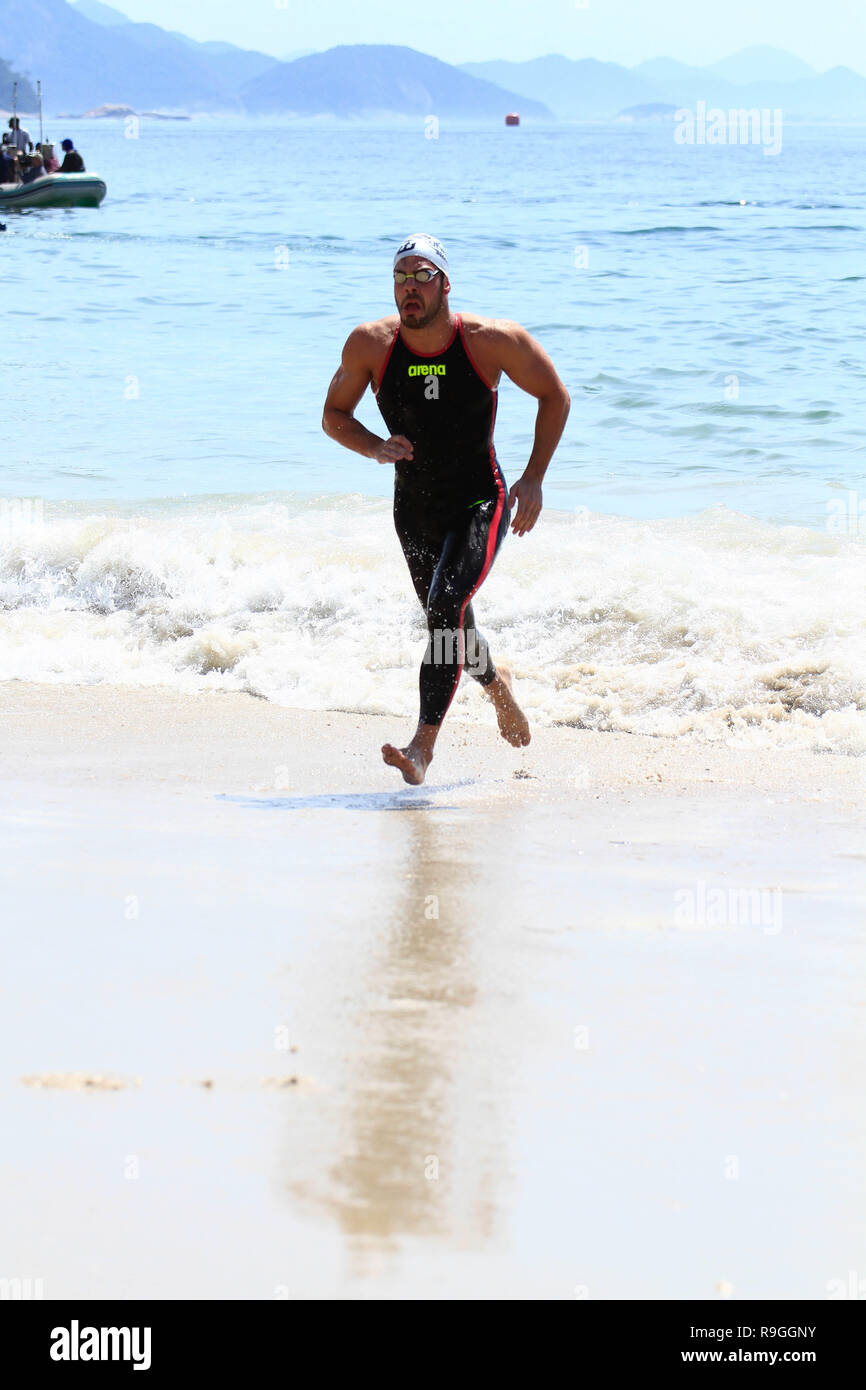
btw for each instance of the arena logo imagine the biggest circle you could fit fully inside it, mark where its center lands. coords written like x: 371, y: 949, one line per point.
x: 427, y: 369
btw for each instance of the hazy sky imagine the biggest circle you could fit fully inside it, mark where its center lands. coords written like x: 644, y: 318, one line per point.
x: 622, y: 31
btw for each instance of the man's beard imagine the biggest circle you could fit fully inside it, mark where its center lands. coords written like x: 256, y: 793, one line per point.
x: 422, y: 319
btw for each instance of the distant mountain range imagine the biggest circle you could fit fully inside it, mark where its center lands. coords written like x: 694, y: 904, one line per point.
x: 99, y: 13
x: 761, y: 64
x: 88, y: 54
x: 374, y: 79
x: 574, y: 90
x: 584, y: 89
x: 83, y: 64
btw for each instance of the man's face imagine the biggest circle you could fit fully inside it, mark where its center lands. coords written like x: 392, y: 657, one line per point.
x: 417, y: 304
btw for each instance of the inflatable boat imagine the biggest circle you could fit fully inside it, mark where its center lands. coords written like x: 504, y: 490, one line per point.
x: 54, y: 191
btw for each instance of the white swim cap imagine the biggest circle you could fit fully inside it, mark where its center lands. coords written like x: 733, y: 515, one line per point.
x: 422, y: 244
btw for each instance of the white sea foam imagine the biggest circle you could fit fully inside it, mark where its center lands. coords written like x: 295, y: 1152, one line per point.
x: 716, y: 628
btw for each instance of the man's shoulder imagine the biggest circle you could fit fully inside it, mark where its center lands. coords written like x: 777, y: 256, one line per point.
x: 368, y: 340
x: 490, y: 332
x: 377, y: 330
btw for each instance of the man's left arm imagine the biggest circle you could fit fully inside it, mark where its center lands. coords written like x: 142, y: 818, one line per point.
x: 529, y: 367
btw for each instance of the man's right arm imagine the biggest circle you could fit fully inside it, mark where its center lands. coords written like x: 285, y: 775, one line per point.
x: 348, y: 385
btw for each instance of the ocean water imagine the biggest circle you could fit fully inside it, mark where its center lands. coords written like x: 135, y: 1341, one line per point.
x: 170, y: 509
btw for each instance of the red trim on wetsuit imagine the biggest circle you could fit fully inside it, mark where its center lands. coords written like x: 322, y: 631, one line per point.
x: 488, y: 561
x: 397, y: 334
x: 425, y: 355
x: 472, y: 362
x: 387, y: 360
x: 488, y: 555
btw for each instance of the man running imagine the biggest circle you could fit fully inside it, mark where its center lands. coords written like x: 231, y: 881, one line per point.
x: 435, y: 375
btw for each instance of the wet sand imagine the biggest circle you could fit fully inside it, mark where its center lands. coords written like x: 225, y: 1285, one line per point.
x: 579, y: 1020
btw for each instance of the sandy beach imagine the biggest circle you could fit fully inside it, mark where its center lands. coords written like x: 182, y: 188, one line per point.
x: 587, y: 1023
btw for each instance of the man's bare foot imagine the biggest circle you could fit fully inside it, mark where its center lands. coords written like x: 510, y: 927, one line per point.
x: 513, y: 724
x: 411, y: 761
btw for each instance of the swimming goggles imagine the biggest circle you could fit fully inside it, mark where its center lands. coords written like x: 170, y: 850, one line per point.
x: 421, y: 277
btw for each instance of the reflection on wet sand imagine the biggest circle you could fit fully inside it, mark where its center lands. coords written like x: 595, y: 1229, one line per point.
x: 414, y: 1159
x: 401, y: 799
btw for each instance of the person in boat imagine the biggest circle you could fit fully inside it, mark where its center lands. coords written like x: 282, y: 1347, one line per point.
x: 35, y: 168
x: 72, y: 161
x: 19, y: 138
x: 50, y: 160
x: 8, y: 163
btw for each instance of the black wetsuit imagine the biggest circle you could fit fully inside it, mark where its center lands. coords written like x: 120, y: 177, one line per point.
x: 450, y: 503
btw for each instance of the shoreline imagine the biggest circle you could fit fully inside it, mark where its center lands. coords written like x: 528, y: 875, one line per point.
x: 278, y: 1025
x: 164, y: 737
